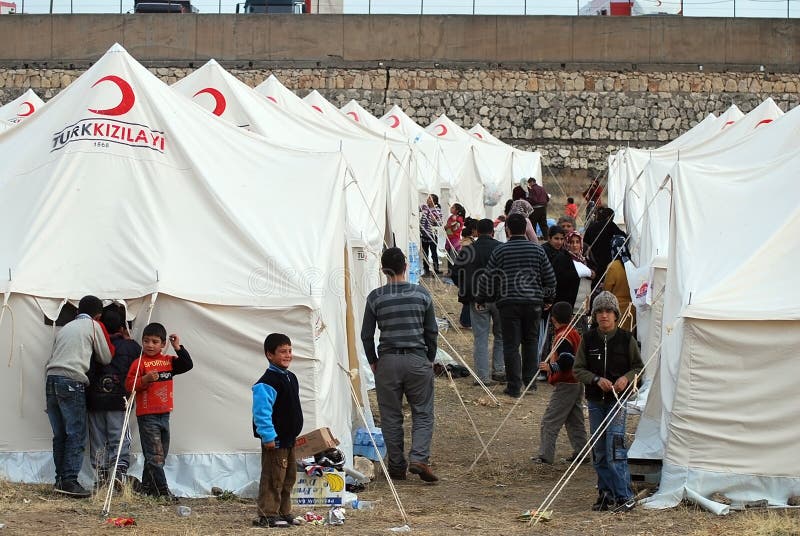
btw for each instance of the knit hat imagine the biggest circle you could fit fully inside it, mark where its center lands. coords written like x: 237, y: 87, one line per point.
x: 605, y: 301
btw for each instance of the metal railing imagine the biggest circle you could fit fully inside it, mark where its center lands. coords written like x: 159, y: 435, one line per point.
x: 692, y: 8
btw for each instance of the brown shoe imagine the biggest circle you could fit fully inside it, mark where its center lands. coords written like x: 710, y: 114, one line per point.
x: 423, y: 470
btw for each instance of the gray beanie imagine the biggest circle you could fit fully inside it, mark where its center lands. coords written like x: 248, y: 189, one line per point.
x: 605, y: 301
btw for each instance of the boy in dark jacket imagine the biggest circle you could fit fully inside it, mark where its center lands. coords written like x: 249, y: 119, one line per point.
x: 608, y: 361
x: 151, y: 378
x: 277, y: 421
x: 105, y: 400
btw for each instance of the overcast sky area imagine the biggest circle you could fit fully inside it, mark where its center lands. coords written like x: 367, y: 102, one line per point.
x: 692, y: 8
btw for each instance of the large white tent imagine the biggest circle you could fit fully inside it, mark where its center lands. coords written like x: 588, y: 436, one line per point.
x: 5, y: 125
x: 21, y: 108
x: 524, y: 164
x: 731, y: 333
x: 124, y: 189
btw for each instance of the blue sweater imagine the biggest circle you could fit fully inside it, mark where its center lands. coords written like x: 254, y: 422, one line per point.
x: 277, y: 415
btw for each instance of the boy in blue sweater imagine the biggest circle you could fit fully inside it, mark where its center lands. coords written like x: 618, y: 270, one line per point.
x: 277, y: 421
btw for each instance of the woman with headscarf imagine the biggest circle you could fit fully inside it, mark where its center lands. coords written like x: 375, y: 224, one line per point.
x: 574, y: 244
x: 520, y: 206
x: 616, y: 282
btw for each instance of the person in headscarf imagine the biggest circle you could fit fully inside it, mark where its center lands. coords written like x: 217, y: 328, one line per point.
x: 520, y: 206
x: 574, y: 243
x: 616, y: 282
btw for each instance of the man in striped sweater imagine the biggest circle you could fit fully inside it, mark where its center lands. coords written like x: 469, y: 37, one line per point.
x: 520, y: 278
x: 403, y: 364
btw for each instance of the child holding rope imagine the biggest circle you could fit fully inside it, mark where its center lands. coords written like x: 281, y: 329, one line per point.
x: 566, y: 403
x: 608, y: 361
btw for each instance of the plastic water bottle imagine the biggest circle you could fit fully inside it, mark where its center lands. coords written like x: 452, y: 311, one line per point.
x: 184, y: 511
x: 362, y: 505
x: 413, y: 263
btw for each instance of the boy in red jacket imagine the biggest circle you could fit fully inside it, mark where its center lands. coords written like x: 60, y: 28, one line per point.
x: 566, y: 402
x: 151, y: 378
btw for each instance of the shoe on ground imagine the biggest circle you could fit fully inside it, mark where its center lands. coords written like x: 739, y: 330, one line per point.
x: 499, y: 377
x: 463, y: 326
x: 538, y: 460
x: 512, y: 394
x: 487, y: 383
x: 397, y: 475
x: 271, y: 522
x: 574, y: 457
x: 604, y: 502
x: 624, y: 506
x: 423, y: 470
x: 71, y: 488
x: 290, y: 519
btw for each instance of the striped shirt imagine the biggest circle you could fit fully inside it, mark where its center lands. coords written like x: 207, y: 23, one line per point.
x: 429, y: 219
x: 404, y: 314
x: 517, y: 272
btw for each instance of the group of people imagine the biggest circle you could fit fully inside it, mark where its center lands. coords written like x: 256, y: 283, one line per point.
x: 508, y: 282
x: 93, y: 368
x: 508, y: 286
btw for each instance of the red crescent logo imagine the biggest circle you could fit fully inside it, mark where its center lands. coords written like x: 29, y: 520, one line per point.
x: 443, y: 132
x: 728, y: 123
x: 354, y: 115
x: 270, y: 97
x: 30, y: 109
x: 128, y: 97
x: 478, y: 134
x: 317, y: 108
x: 763, y: 122
x: 396, y: 122
x: 219, y: 99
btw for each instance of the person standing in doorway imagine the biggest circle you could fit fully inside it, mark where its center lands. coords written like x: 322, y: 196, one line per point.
x: 538, y: 198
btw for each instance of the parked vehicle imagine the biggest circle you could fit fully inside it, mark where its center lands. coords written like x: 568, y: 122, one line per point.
x: 274, y: 6
x: 163, y: 6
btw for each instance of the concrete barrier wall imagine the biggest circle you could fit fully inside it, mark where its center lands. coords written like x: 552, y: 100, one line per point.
x: 357, y: 39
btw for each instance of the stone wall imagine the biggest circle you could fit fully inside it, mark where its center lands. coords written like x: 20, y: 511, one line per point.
x: 576, y: 119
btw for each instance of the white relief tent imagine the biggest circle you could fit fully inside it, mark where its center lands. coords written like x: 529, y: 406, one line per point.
x: 524, y: 164
x: 731, y: 333
x: 433, y: 170
x: 769, y: 142
x: 21, y: 108
x: 189, y: 214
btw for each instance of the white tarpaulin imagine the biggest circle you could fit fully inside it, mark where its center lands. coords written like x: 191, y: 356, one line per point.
x: 21, y: 108
x: 124, y: 189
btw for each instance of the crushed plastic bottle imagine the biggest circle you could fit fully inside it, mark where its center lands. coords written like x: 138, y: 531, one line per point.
x: 362, y: 505
x: 184, y: 511
x: 402, y: 528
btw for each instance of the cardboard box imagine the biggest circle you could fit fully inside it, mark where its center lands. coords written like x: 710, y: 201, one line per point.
x: 314, y: 442
x: 325, y: 490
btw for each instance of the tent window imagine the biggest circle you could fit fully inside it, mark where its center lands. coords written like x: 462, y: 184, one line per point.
x: 65, y: 315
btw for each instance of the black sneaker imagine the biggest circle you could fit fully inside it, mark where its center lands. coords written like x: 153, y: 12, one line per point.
x: 499, y: 377
x: 574, y: 457
x: 625, y: 505
x: 604, y: 502
x: 512, y: 394
x: 270, y: 521
x: 538, y: 460
x: 71, y: 488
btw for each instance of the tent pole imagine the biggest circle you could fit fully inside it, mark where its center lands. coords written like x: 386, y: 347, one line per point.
x: 350, y: 323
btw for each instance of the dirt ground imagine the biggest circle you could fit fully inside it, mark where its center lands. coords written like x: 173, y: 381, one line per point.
x: 486, y: 500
